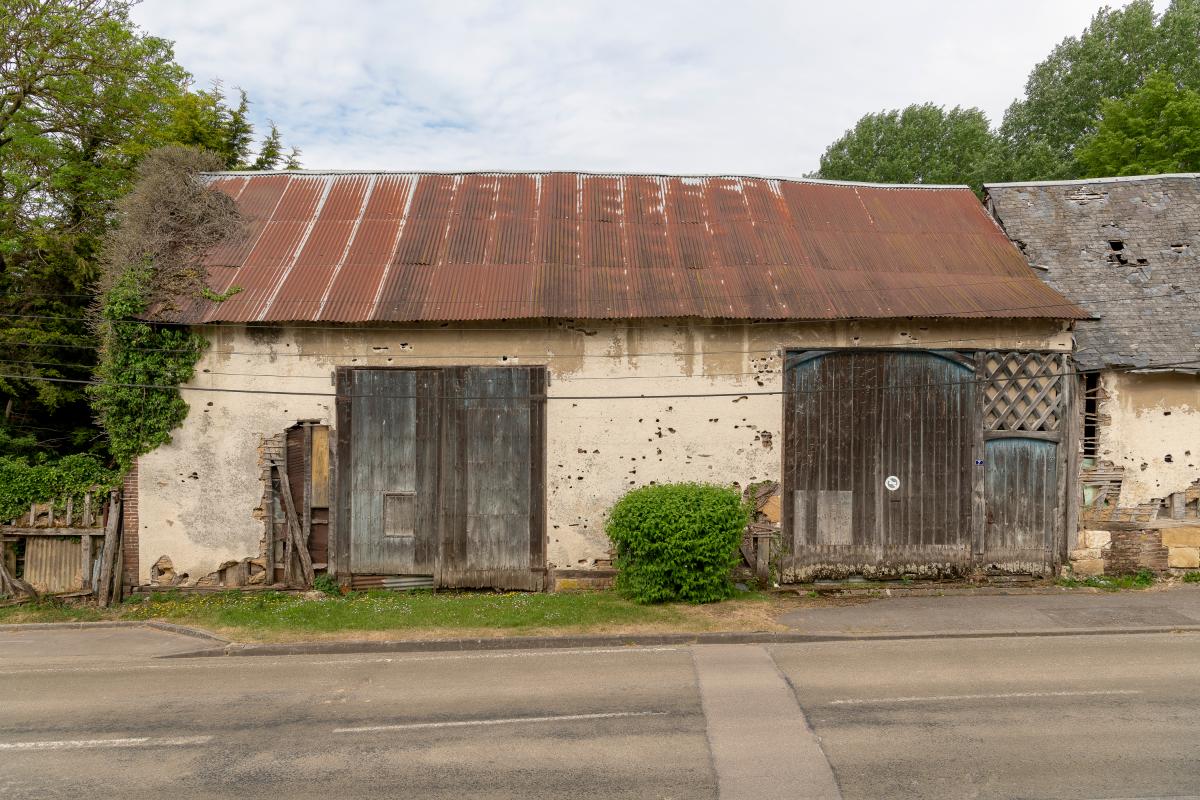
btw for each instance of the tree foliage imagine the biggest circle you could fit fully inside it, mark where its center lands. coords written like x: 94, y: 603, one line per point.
x: 1042, y: 134
x: 919, y: 144
x: 1066, y: 93
x: 84, y: 96
x: 1155, y: 129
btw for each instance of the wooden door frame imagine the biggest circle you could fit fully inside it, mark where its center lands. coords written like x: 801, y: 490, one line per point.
x: 340, y: 445
x: 1066, y: 440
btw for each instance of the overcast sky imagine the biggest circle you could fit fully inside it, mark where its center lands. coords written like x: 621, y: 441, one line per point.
x: 694, y: 86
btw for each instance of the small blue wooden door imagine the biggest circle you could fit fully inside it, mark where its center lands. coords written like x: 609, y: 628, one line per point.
x: 1021, y: 491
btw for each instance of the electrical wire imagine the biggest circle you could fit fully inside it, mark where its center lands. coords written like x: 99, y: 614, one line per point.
x: 685, y: 395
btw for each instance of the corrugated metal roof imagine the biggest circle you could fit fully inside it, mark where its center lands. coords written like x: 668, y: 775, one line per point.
x: 376, y: 246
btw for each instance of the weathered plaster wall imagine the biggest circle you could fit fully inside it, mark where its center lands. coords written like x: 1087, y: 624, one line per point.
x: 198, y: 495
x: 1153, y: 432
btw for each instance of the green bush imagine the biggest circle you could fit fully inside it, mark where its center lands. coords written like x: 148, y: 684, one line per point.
x: 22, y: 483
x: 677, y: 542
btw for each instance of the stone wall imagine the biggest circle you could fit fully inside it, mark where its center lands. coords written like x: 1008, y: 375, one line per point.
x: 716, y: 418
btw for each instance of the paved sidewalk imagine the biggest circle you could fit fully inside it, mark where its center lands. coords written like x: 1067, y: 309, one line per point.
x: 98, y: 643
x: 1068, y: 610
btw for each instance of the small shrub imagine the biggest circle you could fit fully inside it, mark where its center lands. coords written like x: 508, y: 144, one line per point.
x: 328, y: 584
x: 677, y: 542
x: 1191, y: 577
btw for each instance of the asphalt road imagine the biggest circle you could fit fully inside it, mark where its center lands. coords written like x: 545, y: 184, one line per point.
x: 1061, y: 717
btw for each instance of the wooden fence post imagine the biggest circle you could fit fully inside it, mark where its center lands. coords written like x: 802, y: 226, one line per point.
x: 111, y: 543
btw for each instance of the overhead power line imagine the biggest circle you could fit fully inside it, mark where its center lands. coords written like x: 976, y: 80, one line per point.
x: 683, y: 395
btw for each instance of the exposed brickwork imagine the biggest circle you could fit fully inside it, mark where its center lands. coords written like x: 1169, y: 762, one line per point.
x: 129, y: 541
x: 1132, y: 551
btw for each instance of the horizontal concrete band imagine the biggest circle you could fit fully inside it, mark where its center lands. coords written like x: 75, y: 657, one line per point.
x: 647, y: 640
x: 182, y: 630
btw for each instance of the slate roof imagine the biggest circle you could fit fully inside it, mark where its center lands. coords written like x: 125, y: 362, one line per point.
x: 395, y: 246
x: 1125, y: 249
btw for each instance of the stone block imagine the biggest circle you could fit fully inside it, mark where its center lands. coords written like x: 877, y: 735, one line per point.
x: 1085, y: 553
x: 1094, y: 538
x: 1186, y: 536
x: 1088, y: 566
x: 1183, y: 557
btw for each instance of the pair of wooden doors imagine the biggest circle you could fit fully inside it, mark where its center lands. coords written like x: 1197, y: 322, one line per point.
x: 440, y: 474
x: 891, y: 466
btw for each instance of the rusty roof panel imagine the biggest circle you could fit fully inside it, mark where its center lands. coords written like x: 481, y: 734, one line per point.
x: 362, y: 247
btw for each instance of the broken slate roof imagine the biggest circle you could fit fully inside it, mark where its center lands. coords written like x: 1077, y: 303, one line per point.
x: 393, y: 246
x: 1125, y: 249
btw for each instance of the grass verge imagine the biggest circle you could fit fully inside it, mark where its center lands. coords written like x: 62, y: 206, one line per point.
x: 276, y: 616
x: 1112, y: 583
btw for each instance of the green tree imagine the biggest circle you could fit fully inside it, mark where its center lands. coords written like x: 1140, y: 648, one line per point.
x: 271, y: 152
x: 82, y: 93
x: 84, y: 96
x: 1155, y: 129
x: 919, y: 144
x: 1065, y: 94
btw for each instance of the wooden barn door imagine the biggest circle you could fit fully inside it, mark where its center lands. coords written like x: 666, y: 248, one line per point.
x: 441, y: 475
x: 491, y: 494
x: 391, y: 474
x: 877, y: 462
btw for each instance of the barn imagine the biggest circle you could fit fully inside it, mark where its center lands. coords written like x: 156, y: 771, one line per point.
x: 448, y: 379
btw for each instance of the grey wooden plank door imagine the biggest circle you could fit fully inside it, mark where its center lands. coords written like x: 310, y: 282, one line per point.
x: 877, y: 462
x: 1021, y: 491
x: 491, y: 493
x: 392, y: 471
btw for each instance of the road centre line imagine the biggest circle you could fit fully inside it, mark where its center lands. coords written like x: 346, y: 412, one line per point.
x: 866, y: 701
x: 472, y: 723
x: 87, y: 744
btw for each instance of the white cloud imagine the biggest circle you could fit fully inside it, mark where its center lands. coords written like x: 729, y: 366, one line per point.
x: 688, y: 86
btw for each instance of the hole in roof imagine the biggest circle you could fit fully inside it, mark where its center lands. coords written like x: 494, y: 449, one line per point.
x: 1116, y: 244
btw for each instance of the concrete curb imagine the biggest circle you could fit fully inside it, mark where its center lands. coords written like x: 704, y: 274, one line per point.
x: 360, y: 647
x: 196, y: 633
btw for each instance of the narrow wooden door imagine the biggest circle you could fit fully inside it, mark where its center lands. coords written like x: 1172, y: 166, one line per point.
x: 393, y: 471
x: 492, y: 486
x: 1021, y: 490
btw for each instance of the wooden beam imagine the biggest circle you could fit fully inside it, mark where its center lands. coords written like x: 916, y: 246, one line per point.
x: 298, y: 543
x: 306, y: 492
x: 51, y: 531
x: 109, y: 552
x: 979, y: 450
x: 85, y: 561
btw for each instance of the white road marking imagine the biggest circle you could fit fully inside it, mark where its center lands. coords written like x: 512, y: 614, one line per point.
x: 472, y: 723
x: 934, y: 698
x: 83, y: 744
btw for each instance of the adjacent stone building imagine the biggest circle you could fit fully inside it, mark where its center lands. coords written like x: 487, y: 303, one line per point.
x: 1128, y: 251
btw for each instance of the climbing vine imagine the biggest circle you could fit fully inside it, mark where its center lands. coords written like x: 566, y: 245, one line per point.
x: 22, y: 483
x: 154, y: 261
x: 135, y: 397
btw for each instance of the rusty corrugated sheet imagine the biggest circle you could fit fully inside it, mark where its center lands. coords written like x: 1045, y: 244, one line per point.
x: 53, y: 564
x: 362, y: 247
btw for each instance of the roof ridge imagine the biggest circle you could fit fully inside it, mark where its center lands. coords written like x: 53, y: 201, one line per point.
x: 1086, y: 181
x: 598, y: 174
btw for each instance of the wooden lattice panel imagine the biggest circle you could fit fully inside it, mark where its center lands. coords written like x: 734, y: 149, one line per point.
x: 1023, y: 391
